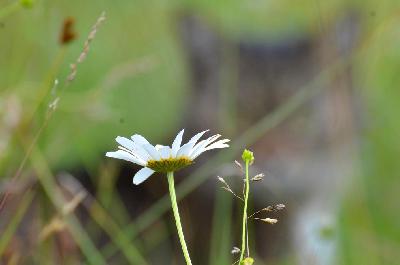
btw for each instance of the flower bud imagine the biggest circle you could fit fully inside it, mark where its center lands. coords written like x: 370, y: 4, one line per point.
x: 247, y: 261
x: 248, y: 156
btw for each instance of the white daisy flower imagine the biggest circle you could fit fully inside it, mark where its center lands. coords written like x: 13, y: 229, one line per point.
x: 162, y: 158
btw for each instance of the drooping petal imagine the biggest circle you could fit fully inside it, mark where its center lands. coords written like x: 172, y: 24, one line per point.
x: 120, y: 154
x: 177, y: 143
x: 152, y: 151
x: 165, y: 152
x: 142, y: 175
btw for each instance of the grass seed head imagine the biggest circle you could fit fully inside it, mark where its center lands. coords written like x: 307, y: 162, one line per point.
x: 258, y: 177
x: 268, y: 220
x: 235, y: 250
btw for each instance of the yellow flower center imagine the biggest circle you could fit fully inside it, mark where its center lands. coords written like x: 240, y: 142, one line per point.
x: 169, y: 164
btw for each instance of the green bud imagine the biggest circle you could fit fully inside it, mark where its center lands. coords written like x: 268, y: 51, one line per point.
x: 27, y: 3
x: 248, y: 156
x: 247, y: 261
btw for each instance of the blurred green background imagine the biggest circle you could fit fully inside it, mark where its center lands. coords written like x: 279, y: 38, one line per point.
x: 138, y: 77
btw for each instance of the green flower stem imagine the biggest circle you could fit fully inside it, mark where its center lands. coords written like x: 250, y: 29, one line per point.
x: 246, y: 197
x: 170, y: 176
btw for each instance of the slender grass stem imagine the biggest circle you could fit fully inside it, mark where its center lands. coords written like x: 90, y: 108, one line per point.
x: 170, y: 176
x: 244, y: 226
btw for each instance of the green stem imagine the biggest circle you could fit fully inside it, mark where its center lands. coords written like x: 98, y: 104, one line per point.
x: 175, y: 209
x: 246, y: 197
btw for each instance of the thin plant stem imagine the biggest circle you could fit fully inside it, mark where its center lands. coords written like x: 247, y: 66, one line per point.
x: 170, y: 176
x: 247, y: 237
x: 244, y: 225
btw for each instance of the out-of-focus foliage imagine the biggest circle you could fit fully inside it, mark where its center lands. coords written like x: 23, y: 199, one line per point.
x: 371, y: 230
x: 135, y: 79
x: 132, y: 80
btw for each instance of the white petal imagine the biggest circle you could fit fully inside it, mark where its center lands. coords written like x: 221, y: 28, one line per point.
x: 200, y: 146
x: 185, y: 150
x: 203, y: 144
x: 139, y: 141
x: 194, y: 155
x: 195, y: 138
x: 141, y: 152
x: 177, y: 143
x: 218, y: 144
x: 126, y: 156
x: 213, y: 138
x: 158, y: 146
x: 125, y: 142
x: 165, y: 152
x: 142, y: 175
x: 137, y: 138
x: 133, y: 147
x: 152, y: 151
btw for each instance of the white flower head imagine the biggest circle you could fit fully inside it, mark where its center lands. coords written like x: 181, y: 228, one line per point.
x: 162, y: 158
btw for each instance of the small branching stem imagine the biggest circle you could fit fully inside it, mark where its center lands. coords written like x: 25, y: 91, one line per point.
x: 244, y: 226
x: 260, y: 211
x: 170, y: 176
